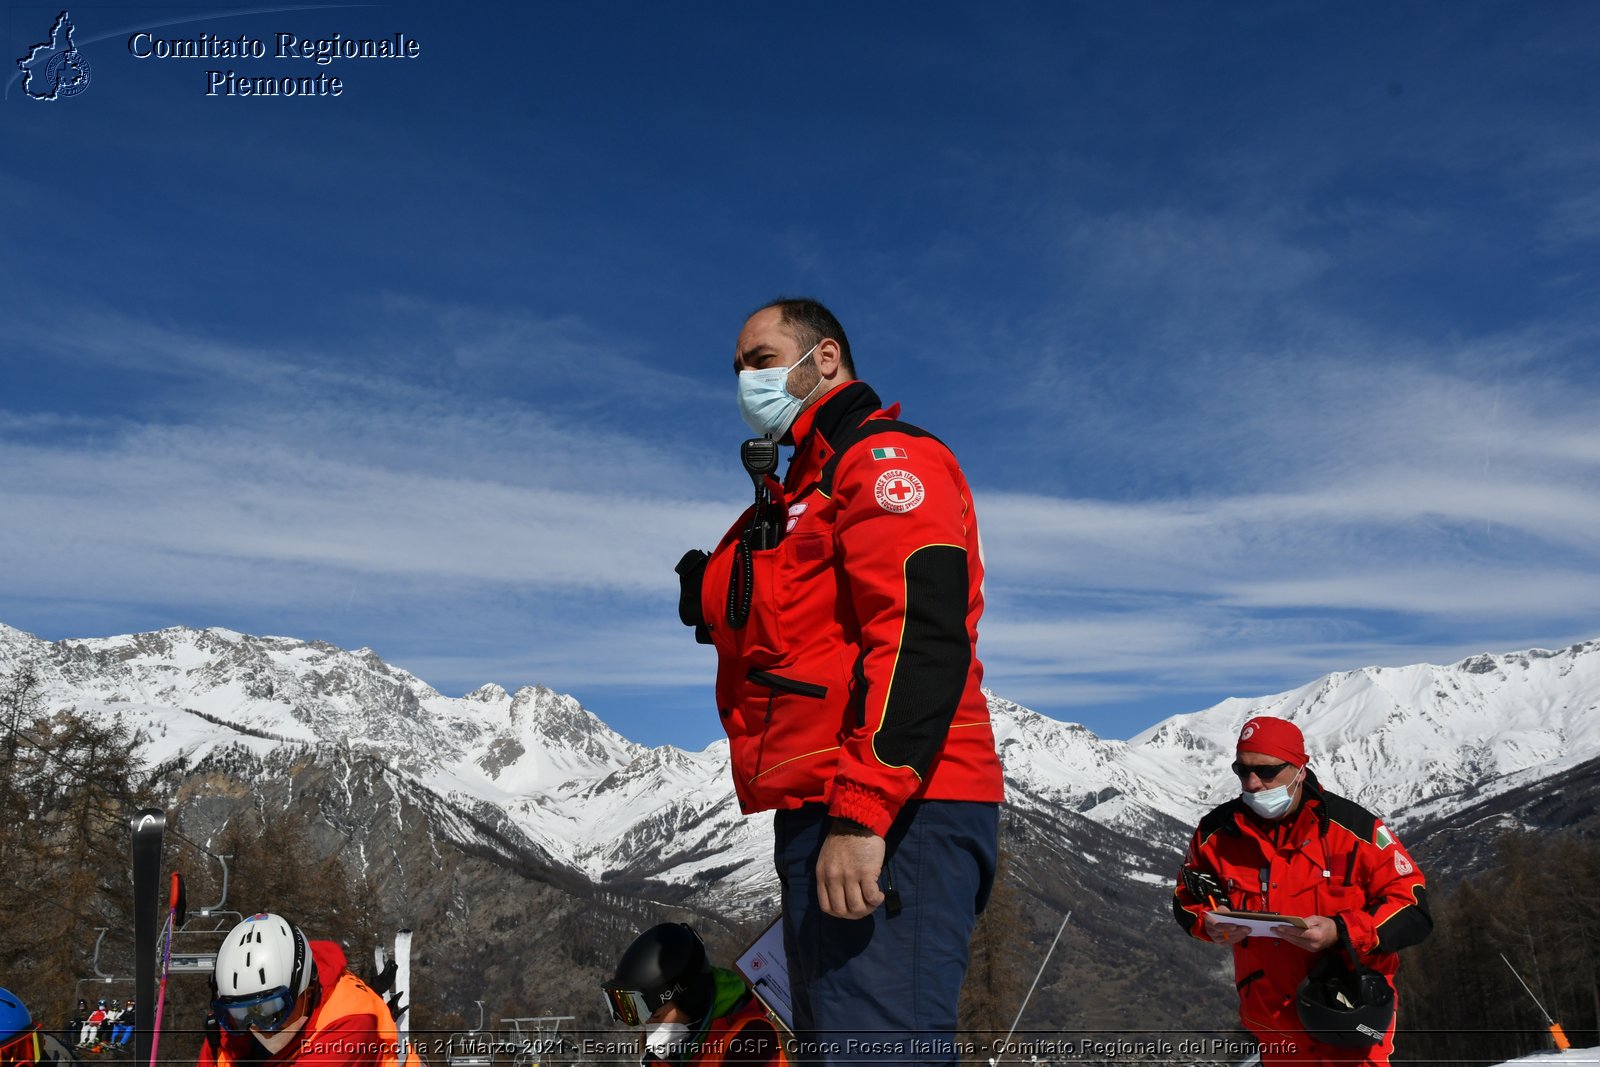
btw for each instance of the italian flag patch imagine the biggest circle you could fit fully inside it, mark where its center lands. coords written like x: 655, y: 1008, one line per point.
x: 1381, y: 836
x: 888, y: 453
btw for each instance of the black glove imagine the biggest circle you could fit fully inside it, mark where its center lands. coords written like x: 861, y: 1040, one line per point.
x: 691, y: 573
x: 1204, y: 887
x: 385, y: 979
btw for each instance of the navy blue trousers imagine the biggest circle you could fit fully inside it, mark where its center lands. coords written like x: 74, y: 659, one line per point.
x: 885, y: 988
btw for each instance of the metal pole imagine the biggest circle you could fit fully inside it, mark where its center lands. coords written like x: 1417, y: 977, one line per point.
x: 1530, y: 992
x: 994, y: 1060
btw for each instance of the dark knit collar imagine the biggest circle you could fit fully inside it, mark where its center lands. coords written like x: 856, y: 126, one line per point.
x: 846, y: 408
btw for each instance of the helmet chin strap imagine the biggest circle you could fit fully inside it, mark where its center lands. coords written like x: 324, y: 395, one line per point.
x: 276, y: 1043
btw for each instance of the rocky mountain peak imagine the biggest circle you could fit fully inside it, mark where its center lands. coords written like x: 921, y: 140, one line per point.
x: 538, y: 773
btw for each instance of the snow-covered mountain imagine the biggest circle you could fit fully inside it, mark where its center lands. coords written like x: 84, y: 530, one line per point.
x: 534, y: 762
x: 1409, y: 742
x: 560, y: 785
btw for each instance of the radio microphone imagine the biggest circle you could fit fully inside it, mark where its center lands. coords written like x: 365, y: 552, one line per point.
x: 760, y: 458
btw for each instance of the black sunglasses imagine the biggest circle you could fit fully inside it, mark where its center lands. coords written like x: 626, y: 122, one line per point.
x: 1266, y: 773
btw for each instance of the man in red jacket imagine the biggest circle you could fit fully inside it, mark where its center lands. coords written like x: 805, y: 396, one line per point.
x: 849, y: 686
x: 1289, y: 847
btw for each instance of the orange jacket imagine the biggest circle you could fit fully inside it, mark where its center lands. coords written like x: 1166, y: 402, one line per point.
x: 746, y: 1036
x: 855, y: 681
x: 350, y: 1025
x: 1332, y: 857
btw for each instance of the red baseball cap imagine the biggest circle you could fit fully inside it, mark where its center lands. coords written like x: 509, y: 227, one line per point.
x: 1278, y: 738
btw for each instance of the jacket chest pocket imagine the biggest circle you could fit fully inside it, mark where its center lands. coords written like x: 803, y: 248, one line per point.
x: 1343, y: 889
x: 1310, y: 883
x: 769, y: 592
x: 752, y: 594
x: 806, y: 557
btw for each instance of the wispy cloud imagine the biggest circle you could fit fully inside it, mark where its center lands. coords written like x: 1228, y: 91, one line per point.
x: 357, y: 501
x: 1421, y: 509
x: 532, y: 547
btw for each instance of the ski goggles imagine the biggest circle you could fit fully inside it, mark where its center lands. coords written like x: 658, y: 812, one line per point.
x: 22, y: 1049
x: 268, y: 1012
x: 628, y: 1006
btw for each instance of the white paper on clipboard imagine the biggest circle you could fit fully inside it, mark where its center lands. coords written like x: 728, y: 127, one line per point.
x: 766, y: 968
x: 1258, y: 927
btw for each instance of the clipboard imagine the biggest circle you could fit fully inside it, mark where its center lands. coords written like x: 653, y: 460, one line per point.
x: 766, y: 967
x: 1259, y: 923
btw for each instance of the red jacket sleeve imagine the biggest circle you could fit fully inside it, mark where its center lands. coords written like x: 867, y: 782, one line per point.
x: 902, y: 535
x: 1186, y: 908
x: 1396, y: 912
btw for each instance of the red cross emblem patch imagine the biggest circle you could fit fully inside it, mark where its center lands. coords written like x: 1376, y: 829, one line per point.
x: 898, y: 491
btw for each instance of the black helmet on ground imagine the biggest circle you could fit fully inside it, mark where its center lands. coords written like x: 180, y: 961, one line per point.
x: 665, y: 964
x: 1345, y: 1006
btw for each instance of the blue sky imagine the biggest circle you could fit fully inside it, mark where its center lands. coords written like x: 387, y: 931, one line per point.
x: 1265, y: 333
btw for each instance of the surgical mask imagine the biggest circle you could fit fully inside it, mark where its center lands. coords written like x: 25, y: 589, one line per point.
x: 765, y: 401
x: 664, y: 1040
x: 1270, y: 803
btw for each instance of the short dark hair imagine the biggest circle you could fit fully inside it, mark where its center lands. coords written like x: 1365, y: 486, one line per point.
x: 811, y: 323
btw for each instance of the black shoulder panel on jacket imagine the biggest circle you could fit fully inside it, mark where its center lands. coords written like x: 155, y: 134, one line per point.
x: 1350, y: 815
x: 848, y: 439
x: 1219, y: 818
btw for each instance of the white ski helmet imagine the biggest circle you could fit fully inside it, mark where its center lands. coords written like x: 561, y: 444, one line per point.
x: 263, y: 971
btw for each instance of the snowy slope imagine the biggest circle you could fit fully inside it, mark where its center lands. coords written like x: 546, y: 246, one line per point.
x: 1407, y: 742
x: 1571, y: 1056
x: 571, y: 785
x: 1412, y: 741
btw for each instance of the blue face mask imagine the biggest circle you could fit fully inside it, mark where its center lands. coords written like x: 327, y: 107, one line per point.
x: 1270, y: 803
x: 765, y: 401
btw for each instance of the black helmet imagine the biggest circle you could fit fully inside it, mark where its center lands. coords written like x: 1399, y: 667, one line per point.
x: 1345, y: 1006
x: 666, y: 963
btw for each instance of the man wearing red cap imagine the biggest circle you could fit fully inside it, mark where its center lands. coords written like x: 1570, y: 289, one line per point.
x: 1289, y: 847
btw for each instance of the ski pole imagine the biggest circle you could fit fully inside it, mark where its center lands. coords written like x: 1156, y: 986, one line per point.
x: 1557, y: 1035
x: 402, y: 1002
x: 148, y: 826
x: 175, y: 906
x: 994, y: 1060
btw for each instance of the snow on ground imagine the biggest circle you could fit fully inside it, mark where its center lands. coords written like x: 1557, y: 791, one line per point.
x: 1552, y: 1057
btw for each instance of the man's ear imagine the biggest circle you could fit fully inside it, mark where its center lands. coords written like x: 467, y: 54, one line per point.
x: 829, y: 358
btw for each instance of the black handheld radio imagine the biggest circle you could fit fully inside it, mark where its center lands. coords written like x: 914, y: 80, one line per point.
x: 760, y: 458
